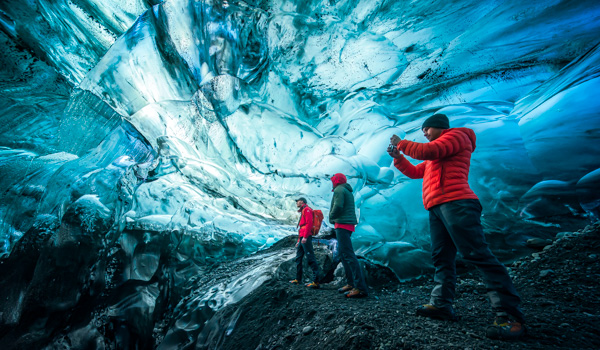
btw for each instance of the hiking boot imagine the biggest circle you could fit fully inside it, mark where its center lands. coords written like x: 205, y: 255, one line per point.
x: 345, y: 288
x: 313, y: 285
x: 356, y: 293
x: 431, y: 311
x: 506, y: 329
x: 294, y: 282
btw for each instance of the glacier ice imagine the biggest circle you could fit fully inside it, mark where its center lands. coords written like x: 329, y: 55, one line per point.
x: 244, y: 106
x: 173, y: 135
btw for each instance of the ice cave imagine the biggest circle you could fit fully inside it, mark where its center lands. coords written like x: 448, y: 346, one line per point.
x: 144, y: 142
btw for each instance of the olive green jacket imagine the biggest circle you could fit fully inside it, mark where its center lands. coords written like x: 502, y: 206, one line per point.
x: 342, y: 206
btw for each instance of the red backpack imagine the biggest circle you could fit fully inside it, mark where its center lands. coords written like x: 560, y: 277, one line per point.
x: 317, y: 220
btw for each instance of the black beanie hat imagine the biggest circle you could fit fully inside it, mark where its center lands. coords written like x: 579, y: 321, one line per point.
x: 437, y: 121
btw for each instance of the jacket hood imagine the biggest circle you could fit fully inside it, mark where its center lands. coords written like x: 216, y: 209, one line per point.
x: 470, y: 134
x: 347, y: 186
x: 338, y: 179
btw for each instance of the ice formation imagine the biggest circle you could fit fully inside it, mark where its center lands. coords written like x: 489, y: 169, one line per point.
x: 189, y: 126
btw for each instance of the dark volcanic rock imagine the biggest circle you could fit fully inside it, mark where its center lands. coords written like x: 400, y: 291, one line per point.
x: 248, y: 303
x: 562, y: 309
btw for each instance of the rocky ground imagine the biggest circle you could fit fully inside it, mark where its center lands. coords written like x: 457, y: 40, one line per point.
x: 558, y: 285
x: 557, y: 281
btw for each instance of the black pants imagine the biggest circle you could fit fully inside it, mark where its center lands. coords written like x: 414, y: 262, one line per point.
x: 456, y: 226
x: 350, y: 261
x: 306, y: 249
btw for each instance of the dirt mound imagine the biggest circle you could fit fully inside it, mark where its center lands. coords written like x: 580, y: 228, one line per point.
x: 558, y: 286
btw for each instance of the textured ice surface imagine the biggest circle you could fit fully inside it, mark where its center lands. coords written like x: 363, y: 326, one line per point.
x: 142, y: 143
x: 206, y: 118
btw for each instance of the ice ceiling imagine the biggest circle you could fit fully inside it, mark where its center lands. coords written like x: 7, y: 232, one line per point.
x: 203, y: 120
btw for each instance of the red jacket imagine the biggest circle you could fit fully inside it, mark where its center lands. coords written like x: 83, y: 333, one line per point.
x: 306, y: 222
x: 445, y: 170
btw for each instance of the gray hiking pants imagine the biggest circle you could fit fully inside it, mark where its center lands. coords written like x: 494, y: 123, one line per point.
x: 456, y: 226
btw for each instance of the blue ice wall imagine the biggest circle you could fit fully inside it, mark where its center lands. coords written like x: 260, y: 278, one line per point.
x: 205, y: 119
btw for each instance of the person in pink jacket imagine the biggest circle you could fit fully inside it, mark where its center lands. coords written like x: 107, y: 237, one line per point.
x: 304, y: 245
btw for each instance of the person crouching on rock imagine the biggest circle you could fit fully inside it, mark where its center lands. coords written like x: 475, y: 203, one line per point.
x: 455, y: 223
x: 304, y: 245
x: 329, y: 271
x: 343, y: 216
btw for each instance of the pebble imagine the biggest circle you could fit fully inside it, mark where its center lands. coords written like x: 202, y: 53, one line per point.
x: 545, y: 273
x: 340, y: 329
x: 307, y: 330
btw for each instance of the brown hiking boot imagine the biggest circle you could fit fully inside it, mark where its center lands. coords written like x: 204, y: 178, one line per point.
x: 294, y: 282
x: 356, y: 293
x: 313, y: 285
x: 345, y: 288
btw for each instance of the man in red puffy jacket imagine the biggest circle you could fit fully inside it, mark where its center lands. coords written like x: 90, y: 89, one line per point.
x: 455, y: 223
x: 304, y: 245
